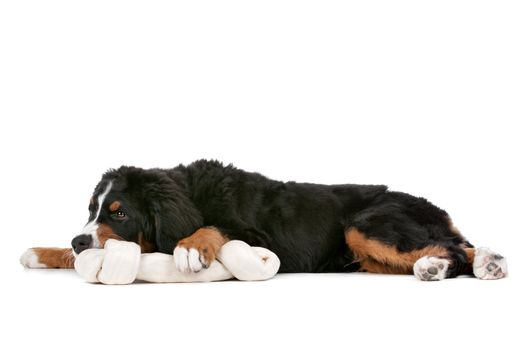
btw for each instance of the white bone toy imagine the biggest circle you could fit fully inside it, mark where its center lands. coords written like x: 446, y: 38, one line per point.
x: 122, y: 263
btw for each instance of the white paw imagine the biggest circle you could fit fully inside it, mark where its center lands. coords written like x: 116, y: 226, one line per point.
x: 430, y: 268
x: 30, y: 260
x: 187, y: 260
x: 488, y: 265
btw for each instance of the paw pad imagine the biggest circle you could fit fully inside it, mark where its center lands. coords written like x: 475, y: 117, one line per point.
x: 430, y: 268
x: 488, y: 265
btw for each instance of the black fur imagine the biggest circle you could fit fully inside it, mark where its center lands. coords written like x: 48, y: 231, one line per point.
x: 302, y: 223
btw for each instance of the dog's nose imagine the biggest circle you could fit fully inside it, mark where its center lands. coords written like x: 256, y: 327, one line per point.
x: 81, y: 243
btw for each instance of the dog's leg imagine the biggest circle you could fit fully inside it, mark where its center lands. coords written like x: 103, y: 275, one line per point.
x: 404, y: 234
x: 198, y: 251
x: 378, y: 257
x: 47, y: 258
x: 431, y: 263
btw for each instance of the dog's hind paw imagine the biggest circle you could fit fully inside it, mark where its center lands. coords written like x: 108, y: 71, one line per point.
x: 488, y: 265
x: 431, y: 268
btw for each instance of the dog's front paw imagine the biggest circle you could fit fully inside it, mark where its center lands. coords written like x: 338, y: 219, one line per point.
x: 199, y: 250
x: 190, y: 260
x: 30, y: 259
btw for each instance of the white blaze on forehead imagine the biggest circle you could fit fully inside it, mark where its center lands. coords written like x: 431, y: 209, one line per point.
x: 92, y: 226
x: 100, y: 199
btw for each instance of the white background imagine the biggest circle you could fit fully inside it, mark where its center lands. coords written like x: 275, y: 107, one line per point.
x: 427, y: 97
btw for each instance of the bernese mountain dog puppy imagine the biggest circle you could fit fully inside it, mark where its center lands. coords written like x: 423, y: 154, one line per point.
x: 191, y: 211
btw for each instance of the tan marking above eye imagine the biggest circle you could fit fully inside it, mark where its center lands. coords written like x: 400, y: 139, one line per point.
x: 114, y: 206
x: 91, y: 201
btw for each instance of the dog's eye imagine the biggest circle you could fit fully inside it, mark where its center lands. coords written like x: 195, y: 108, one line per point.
x: 119, y: 214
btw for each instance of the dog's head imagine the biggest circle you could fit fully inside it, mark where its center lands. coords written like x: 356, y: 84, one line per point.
x: 148, y: 207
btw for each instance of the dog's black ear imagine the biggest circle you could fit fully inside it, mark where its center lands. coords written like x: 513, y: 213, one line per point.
x: 173, y: 214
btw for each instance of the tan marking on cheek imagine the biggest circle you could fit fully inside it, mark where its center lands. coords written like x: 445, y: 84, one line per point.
x: 114, y: 206
x: 91, y: 201
x: 104, y: 232
x: 145, y: 246
x: 61, y: 258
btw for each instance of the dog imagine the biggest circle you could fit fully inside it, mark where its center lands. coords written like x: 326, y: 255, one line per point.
x: 191, y: 211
